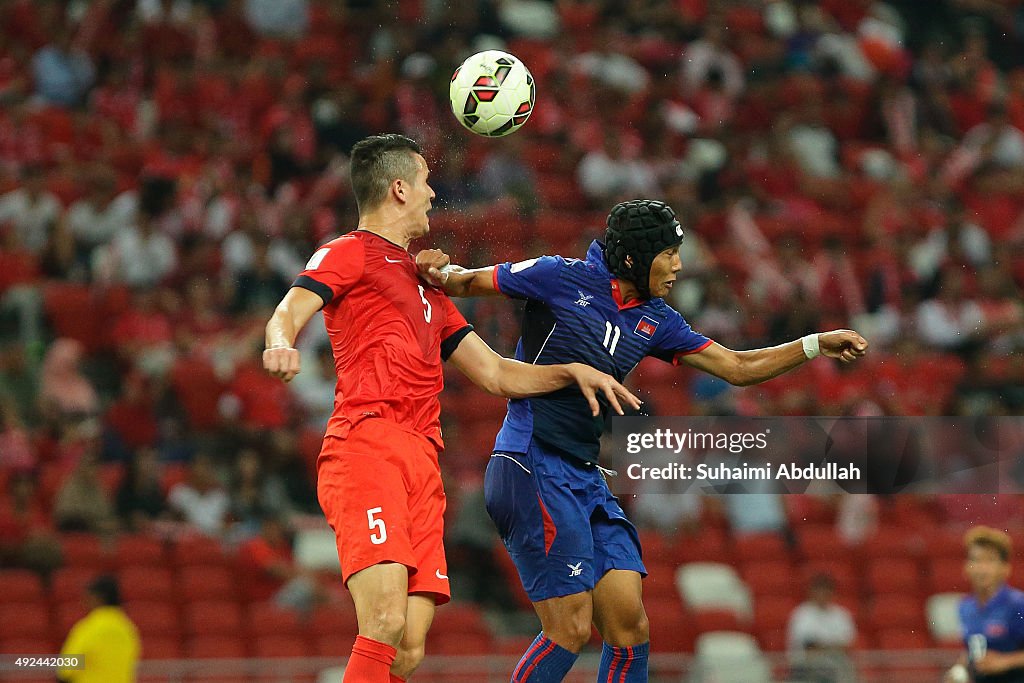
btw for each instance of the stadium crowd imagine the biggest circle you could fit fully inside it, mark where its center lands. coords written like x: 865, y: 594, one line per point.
x: 166, y: 167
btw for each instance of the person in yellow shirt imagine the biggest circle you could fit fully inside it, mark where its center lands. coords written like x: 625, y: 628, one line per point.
x: 105, y: 637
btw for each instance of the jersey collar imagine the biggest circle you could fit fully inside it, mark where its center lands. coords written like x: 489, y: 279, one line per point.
x: 595, y: 256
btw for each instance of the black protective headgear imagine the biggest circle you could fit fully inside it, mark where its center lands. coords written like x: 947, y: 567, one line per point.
x: 641, y: 228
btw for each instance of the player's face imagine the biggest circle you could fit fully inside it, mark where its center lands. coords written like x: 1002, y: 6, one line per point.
x: 419, y: 198
x: 985, y: 569
x: 663, y: 272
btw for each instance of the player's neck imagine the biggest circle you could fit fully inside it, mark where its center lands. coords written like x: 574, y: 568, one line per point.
x: 628, y: 291
x: 388, y: 225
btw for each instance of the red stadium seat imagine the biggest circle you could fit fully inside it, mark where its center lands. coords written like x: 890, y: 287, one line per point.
x: 841, y: 571
x: 67, y: 615
x: 212, y: 618
x: 83, y: 550
x: 706, y: 621
x: 161, y: 647
x: 69, y: 584
x: 281, y: 646
x: 459, y: 618
x: 461, y: 644
x: 25, y: 620
x: 21, y: 585
x: 333, y: 644
x: 895, y: 611
x: 334, y: 622
x: 671, y: 628
x: 893, y: 543
x: 822, y: 543
x: 903, y: 639
x: 947, y: 575
x: 75, y: 313
x: 139, y: 550
x: 198, y: 550
x: 895, y: 576
x: 944, y: 545
x: 217, y: 646
x: 762, y: 547
x: 711, y: 545
x: 773, y: 612
x: 155, y: 618
x: 205, y: 582
x: 146, y: 583
x: 34, y: 646
x: 770, y: 578
x: 660, y: 583
x: 267, y: 619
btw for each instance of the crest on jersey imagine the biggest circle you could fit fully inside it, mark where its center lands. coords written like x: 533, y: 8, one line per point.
x: 646, y: 327
x: 584, y: 299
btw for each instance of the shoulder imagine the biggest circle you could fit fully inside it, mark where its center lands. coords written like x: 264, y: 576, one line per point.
x: 1016, y: 597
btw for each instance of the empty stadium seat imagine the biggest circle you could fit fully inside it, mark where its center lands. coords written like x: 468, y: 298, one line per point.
x: 69, y: 584
x: 267, y: 619
x: 761, y: 547
x: 24, y: 620
x: 21, y: 585
x: 139, y: 550
x: 947, y: 575
x: 726, y: 657
x: 671, y: 628
x: 281, y: 646
x: 205, y: 582
x: 155, y: 618
x: 771, y: 577
x: 198, y: 550
x: 161, y: 647
x: 895, y: 611
x: 709, y: 585
x: 894, y: 576
x: 216, y: 646
x: 943, y: 615
x: 212, y: 618
x: 146, y: 583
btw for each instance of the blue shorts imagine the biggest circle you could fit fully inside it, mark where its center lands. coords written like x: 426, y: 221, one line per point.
x: 562, y: 526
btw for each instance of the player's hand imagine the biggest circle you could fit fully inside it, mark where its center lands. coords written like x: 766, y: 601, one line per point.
x: 846, y: 345
x: 430, y: 262
x: 993, y: 663
x: 282, y: 362
x: 592, y: 381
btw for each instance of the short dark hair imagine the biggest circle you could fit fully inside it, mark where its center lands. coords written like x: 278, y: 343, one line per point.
x: 106, y: 590
x: 376, y: 162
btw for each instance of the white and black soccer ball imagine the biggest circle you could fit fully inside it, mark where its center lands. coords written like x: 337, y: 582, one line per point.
x: 492, y: 93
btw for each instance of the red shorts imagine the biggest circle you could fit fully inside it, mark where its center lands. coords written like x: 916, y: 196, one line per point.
x: 380, y: 488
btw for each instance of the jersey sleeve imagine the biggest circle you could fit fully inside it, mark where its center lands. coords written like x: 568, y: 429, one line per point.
x: 75, y: 644
x: 333, y: 269
x: 455, y: 328
x: 534, y: 278
x: 677, y: 339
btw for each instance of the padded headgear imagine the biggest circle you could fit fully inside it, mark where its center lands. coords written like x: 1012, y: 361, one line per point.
x: 641, y: 228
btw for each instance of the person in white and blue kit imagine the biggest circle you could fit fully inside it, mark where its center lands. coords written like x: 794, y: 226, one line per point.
x: 992, y: 616
x: 576, y: 553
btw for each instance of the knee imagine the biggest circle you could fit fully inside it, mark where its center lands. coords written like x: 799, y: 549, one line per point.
x: 628, y: 629
x: 572, y: 631
x: 384, y: 625
x: 407, y: 660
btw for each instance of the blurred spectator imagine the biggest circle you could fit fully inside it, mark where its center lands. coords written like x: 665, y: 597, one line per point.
x: 606, y: 176
x: 82, y: 504
x: 820, y: 634
x: 314, y: 387
x: 102, y: 214
x: 31, y: 210
x: 255, y: 495
x: 140, y: 498
x: 62, y: 72
x: 16, y: 451
x: 269, y: 572
x: 26, y: 530
x: 65, y: 394
x: 201, y: 501
x: 957, y: 238
x: 278, y: 18
x: 105, y: 637
x: 258, y: 287
x: 951, y: 321
x: 141, y: 255
x: 710, y: 60
x: 857, y: 517
x: 504, y: 175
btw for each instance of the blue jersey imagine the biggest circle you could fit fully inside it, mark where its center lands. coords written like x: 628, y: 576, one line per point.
x: 574, y: 314
x: 997, y: 626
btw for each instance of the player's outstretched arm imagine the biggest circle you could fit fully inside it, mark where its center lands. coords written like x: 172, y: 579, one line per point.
x: 514, y: 379
x: 744, y: 368
x: 435, y: 267
x: 281, y: 358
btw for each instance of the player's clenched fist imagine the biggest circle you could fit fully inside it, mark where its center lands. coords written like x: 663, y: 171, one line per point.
x: 846, y: 345
x: 430, y: 263
x: 283, y: 362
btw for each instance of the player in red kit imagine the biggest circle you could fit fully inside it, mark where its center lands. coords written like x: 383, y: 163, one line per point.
x: 379, y: 481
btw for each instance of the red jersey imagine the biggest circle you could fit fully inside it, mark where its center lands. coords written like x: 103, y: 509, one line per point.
x: 389, y: 331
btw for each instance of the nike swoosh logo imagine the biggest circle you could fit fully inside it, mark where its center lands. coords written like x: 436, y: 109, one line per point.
x: 392, y: 261
x: 438, y: 574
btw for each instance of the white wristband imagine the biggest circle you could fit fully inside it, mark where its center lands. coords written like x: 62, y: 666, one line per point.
x: 811, y: 348
x: 958, y: 674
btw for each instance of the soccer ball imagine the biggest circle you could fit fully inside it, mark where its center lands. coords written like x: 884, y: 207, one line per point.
x: 492, y: 93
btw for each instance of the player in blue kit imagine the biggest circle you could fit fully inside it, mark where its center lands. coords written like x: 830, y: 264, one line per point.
x: 992, y: 616
x: 575, y: 551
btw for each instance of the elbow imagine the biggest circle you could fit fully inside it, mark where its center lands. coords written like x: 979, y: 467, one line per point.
x: 739, y: 375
